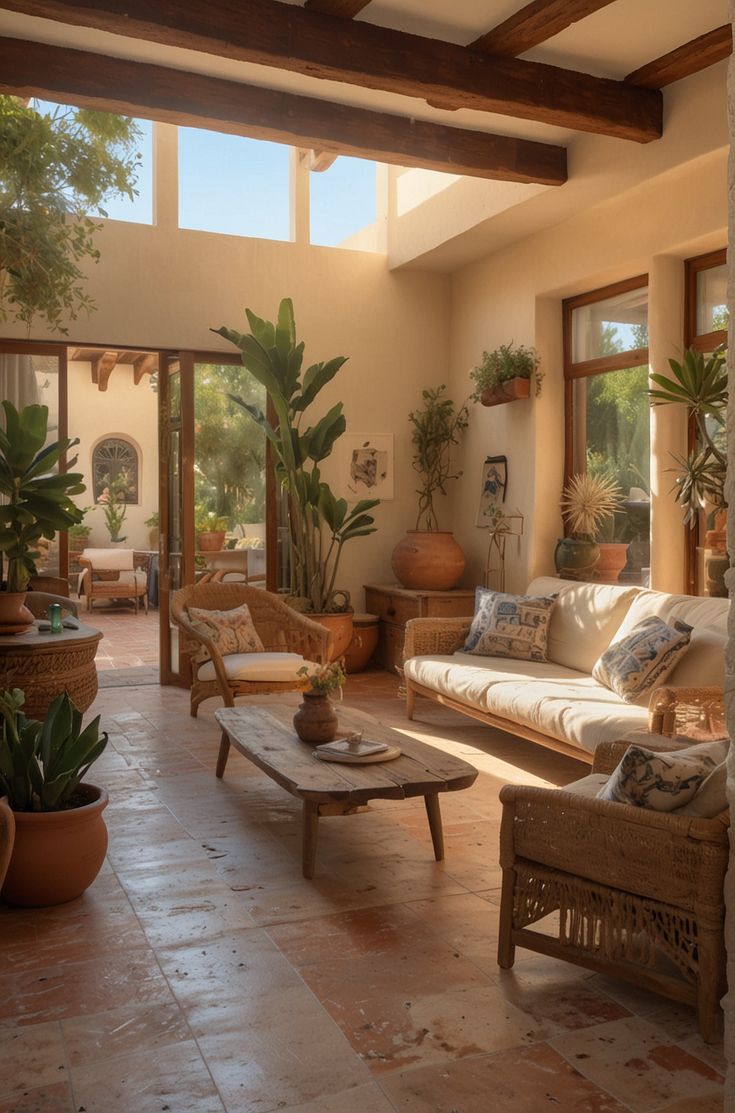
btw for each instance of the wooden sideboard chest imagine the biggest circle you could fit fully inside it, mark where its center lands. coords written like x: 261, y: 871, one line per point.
x: 395, y: 605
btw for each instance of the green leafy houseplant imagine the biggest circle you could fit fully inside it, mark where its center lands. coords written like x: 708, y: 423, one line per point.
x: 435, y: 428
x: 320, y: 524
x: 502, y: 365
x: 112, y: 500
x: 43, y: 763
x: 57, y: 167
x: 700, y: 384
x: 38, y: 498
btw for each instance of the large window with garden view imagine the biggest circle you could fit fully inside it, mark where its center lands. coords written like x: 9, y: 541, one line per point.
x: 607, y: 412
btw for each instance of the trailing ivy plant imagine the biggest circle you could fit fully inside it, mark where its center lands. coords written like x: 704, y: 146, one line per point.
x: 56, y: 167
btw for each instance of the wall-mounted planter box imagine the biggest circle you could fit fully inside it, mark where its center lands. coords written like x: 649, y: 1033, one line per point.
x: 507, y: 392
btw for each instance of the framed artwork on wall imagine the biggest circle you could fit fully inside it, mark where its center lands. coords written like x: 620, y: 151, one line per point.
x: 367, y: 466
x: 494, y: 486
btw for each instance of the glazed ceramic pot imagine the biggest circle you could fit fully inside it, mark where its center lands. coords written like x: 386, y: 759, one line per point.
x: 429, y: 560
x: 315, y: 721
x: 57, y: 855
x: 576, y: 557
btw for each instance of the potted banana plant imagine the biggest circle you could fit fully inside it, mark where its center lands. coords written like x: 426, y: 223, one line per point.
x: 60, y: 836
x: 37, y: 503
x: 320, y: 524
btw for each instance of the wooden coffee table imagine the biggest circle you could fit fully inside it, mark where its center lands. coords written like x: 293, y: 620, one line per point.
x: 268, y: 739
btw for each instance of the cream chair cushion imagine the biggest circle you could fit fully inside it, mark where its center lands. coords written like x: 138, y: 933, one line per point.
x: 274, y: 668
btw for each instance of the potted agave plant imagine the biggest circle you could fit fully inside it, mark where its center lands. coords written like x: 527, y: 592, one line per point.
x: 428, y: 558
x: 320, y: 524
x: 60, y: 836
x: 588, y: 501
x: 36, y: 506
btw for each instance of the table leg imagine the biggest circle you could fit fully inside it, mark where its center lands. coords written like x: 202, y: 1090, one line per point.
x: 435, y: 824
x: 311, y: 831
x: 224, y: 750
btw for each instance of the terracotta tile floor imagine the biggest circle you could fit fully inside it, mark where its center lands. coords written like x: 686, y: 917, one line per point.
x: 202, y: 973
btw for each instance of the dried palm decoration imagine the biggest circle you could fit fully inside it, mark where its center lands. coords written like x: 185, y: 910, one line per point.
x: 588, y: 501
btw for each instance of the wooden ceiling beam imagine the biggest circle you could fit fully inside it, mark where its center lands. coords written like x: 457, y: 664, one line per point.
x: 690, y: 58
x: 145, y: 364
x: 533, y: 24
x: 287, y: 37
x: 345, y: 9
x: 102, y: 368
x: 89, y: 80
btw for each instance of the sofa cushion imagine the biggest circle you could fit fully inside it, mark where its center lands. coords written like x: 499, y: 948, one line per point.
x: 584, y: 620
x: 662, y: 781
x: 703, y: 664
x: 546, y: 697
x: 696, y: 611
x: 509, y: 625
x: 633, y: 665
x: 710, y: 799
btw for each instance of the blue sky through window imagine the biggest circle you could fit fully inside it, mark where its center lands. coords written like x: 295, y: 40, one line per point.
x: 342, y: 200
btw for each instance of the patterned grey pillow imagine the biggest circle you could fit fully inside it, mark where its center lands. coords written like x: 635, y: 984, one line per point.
x: 662, y: 782
x: 646, y: 656
x: 509, y: 625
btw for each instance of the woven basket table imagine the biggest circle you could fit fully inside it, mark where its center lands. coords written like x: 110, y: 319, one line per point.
x: 44, y: 665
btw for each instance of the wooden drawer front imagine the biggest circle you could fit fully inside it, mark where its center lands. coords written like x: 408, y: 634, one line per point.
x: 391, y: 608
x: 390, y: 645
x: 448, y: 606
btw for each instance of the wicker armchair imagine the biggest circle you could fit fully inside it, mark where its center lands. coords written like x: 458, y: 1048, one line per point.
x: 281, y: 629
x: 629, y: 885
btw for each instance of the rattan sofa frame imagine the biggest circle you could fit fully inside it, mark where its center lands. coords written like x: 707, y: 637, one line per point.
x: 281, y: 629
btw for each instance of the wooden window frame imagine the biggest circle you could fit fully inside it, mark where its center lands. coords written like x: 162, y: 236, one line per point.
x: 703, y: 342
x: 582, y: 369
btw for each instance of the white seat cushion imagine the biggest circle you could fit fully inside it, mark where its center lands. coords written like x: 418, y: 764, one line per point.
x: 272, y: 668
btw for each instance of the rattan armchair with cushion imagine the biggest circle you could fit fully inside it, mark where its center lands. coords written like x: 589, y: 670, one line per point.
x: 638, y: 893
x: 111, y: 574
x: 281, y: 629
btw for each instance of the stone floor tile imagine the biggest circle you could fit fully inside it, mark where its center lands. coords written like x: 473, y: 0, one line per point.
x: 105, y: 1035
x: 31, y: 1056
x: 147, y: 1082
x: 43, y: 1099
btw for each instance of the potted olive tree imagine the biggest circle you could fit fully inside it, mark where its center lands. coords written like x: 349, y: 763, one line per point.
x: 37, y: 505
x: 428, y: 557
x: 320, y: 524
x: 60, y: 836
x: 505, y: 374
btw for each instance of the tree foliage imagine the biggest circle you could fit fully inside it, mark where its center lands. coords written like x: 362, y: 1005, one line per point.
x: 55, y: 168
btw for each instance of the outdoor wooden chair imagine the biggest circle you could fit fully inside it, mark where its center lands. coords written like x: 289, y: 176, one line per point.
x: 281, y: 629
x: 111, y: 574
x: 638, y: 893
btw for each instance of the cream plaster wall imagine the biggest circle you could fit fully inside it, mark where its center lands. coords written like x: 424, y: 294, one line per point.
x: 515, y: 295
x: 122, y: 410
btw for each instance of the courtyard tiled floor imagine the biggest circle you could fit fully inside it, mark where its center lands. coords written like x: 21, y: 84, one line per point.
x: 202, y: 973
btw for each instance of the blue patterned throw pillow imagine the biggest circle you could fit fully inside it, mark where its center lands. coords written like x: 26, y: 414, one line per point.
x: 509, y: 625
x: 632, y: 666
x: 662, y: 782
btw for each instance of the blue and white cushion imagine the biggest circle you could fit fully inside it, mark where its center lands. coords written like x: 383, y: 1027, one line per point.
x: 509, y: 625
x: 635, y: 664
x: 662, y: 782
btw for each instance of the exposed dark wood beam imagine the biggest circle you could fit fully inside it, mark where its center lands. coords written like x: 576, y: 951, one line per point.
x: 155, y: 92
x: 146, y: 364
x: 102, y: 368
x: 533, y: 24
x: 346, y: 9
x: 288, y: 37
x: 690, y: 58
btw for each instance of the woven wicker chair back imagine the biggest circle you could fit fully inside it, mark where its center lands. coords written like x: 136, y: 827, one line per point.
x: 270, y: 615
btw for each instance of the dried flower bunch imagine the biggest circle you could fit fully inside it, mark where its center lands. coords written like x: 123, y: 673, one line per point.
x: 588, y: 501
x: 323, y: 680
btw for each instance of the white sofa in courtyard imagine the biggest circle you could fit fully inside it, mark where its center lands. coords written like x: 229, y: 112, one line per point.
x: 558, y: 703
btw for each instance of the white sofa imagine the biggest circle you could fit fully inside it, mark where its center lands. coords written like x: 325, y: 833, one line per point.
x: 558, y: 703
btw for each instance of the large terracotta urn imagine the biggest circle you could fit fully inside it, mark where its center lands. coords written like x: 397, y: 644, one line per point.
x: 57, y: 855
x: 430, y: 560
x: 340, y: 623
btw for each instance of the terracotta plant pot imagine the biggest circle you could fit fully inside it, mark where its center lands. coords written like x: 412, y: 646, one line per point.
x: 611, y: 562
x: 576, y: 557
x: 364, y: 642
x: 15, y: 618
x: 57, y: 855
x: 430, y: 560
x: 506, y: 392
x: 340, y: 623
x: 212, y: 541
x: 315, y: 721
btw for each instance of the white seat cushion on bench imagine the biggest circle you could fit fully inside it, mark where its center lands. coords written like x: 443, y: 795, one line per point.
x: 267, y: 667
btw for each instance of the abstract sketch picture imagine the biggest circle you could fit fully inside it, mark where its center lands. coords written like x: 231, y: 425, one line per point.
x: 368, y: 464
x: 494, y: 485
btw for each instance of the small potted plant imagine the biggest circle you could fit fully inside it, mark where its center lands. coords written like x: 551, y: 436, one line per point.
x: 505, y: 374
x: 588, y: 501
x: 37, y: 503
x: 315, y: 721
x: 154, y: 526
x: 211, y: 530
x: 112, y: 500
x: 429, y: 558
x: 60, y: 836
x: 78, y: 537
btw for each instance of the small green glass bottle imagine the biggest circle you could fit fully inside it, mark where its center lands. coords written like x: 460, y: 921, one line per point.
x: 54, y: 617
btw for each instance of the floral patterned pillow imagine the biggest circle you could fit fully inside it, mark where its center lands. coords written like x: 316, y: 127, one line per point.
x: 231, y: 631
